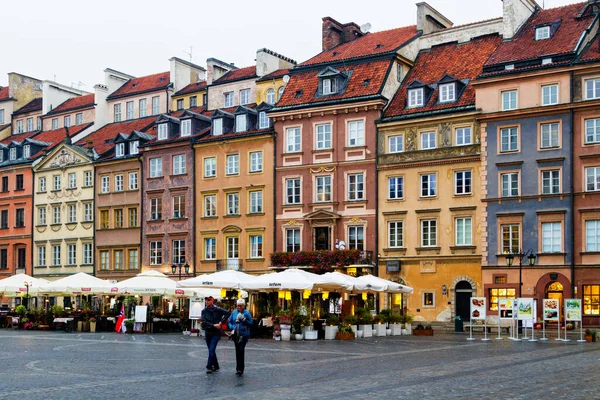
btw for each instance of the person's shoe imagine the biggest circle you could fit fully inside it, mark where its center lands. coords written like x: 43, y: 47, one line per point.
x: 215, y: 369
x: 209, y: 371
x: 239, y: 373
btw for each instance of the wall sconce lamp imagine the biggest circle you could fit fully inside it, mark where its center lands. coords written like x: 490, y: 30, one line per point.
x: 444, y: 290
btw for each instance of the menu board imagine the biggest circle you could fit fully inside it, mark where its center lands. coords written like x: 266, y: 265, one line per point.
x: 525, y: 308
x: 505, y: 308
x: 572, y: 309
x: 196, y: 307
x: 551, y: 310
x: 140, y: 313
x: 478, y: 308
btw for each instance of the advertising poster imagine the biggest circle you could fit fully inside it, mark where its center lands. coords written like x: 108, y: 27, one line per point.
x: 196, y: 306
x: 525, y: 308
x: 505, y: 308
x: 572, y: 309
x: 478, y: 308
x: 551, y: 310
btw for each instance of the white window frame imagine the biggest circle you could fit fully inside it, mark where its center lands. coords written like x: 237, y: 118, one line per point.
x: 133, y: 181
x: 56, y: 182
x: 163, y: 131
x: 12, y: 154
x: 42, y: 215
x: 41, y: 256
x: 464, y: 237
x: 120, y: 150
x: 119, y: 183
x: 228, y: 99
x: 428, y: 181
x: 71, y: 254
x: 509, y: 184
x: 105, y: 186
x: 129, y: 112
x: 512, y: 231
x: 241, y: 123
x: 186, y: 127
x: 117, y: 112
x: 233, y: 203
x: 509, y: 139
x: 463, y: 182
x: 592, y: 179
x: 263, y: 120
x: 256, y: 246
x: 217, y: 126
x: 56, y: 259
x: 54, y: 123
x: 42, y: 184
x: 87, y: 178
x: 210, y: 206
x: 551, y: 237
x: 210, y: 248
x: 323, y: 136
x: 508, y: 102
x: 447, y: 92
x: 245, y: 97
x: 323, y: 189
x: 395, y: 187
x: 395, y: 234
x: 179, y: 164
x: 549, y: 135
x: 592, y: 235
x: 592, y: 130
x: 356, y: 133
x: 463, y: 136
x: 550, y: 181
x: 30, y: 123
x: 256, y: 161
x: 329, y: 86
x: 293, y: 191
x: 87, y: 212
x: 592, y: 89
x: 155, y: 105
x: 256, y: 202
x: 143, y: 108
x: 293, y: 140
x: 428, y: 239
x: 396, y: 144
x: 542, y: 33
x: 87, y: 254
x: 179, y: 206
x: 156, y: 211
x: 72, y: 214
x: 356, y: 237
x: 233, y: 247
x: 415, y: 97
x: 72, y: 180
x: 549, y: 95
x: 156, y: 253
x: 356, y: 187
x: 156, y: 170
x: 232, y: 166
x: 428, y: 140
x: 295, y: 234
x: 270, y: 96
x: 210, y: 167
x: 78, y: 119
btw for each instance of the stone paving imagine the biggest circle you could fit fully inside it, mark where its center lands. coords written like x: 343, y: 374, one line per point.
x: 58, y: 365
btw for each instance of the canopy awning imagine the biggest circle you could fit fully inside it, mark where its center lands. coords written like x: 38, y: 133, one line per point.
x: 151, y: 283
x: 292, y: 279
x: 16, y: 285
x: 228, y: 279
x: 373, y: 282
x: 80, y: 283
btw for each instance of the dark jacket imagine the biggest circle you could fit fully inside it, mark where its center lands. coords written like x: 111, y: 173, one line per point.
x: 243, y: 327
x: 211, y: 316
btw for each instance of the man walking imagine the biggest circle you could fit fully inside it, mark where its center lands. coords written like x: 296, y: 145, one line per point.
x: 212, y: 317
x: 240, y: 322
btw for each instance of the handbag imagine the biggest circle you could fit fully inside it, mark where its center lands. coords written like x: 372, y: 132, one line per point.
x: 224, y: 326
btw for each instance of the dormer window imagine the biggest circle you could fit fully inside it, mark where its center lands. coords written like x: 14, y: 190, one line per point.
x: 163, y: 131
x: 240, y: 123
x: 134, y: 147
x: 415, y: 97
x: 270, y: 96
x: 26, y: 151
x: 447, y: 92
x: 1, y: 155
x: 543, y: 32
x: 217, y: 126
x: 329, y: 86
x: 186, y: 127
x: 263, y: 120
x: 120, y: 149
x: 13, y: 154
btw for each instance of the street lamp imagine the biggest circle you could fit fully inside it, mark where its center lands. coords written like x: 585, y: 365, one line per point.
x: 185, y: 267
x: 27, y: 284
x: 530, y: 260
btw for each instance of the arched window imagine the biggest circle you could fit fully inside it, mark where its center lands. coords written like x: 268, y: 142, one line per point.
x: 270, y: 96
x: 280, y: 93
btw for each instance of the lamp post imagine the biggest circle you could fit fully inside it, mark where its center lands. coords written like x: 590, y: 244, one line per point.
x: 179, y: 266
x: 27, y: 284
x: 521, y: 255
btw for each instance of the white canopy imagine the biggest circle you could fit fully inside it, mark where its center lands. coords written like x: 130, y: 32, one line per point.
x: 151, y: 283
x: 373, y: 283
x: 345, y: 282
x: 291, y: 279
x: 228, y: 279
x: 80, y: 283
x: 14, y: 286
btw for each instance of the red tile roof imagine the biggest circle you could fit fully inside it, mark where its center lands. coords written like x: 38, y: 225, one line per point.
x: 366, y: 80
x: 102, y: 138
x: 56, y: 136
x: 275, y: 74
x: 592, y: 50
x: 367, y: 45
x: 462, y: 61
x: 74, y: 103
x: 524, y: 46
x: 191, y: 88
x: 144, y: 84
x: 33, y: 105
x: 237, y: 74
x: 4, y: 93
x: 18, y: 137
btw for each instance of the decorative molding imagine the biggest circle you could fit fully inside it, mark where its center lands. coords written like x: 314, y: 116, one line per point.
x: 322, y: 170
x: 64, y: 159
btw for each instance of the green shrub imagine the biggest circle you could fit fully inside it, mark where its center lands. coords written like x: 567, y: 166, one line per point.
x: 351, y: 320
x: 21, y: 309
x: 332, y: 320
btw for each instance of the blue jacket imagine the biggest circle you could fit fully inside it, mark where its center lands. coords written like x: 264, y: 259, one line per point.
x: 242, y: 328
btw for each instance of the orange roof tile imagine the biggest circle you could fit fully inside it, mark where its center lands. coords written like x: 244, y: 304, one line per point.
x: 4, y: 93
x: 591, y: 51
x: 191, y: 88
x: 102, y: 138
x: 462, y: 61
x: 56, y: 136
x: 74, y: 103
x: 237, y: 74
x: 143, y: 84
x: 18, y: 137
x: 367, y: 45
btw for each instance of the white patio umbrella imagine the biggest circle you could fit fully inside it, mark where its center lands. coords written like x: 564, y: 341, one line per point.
x: 228, y: 279
x: 345, y: 282
x: 291, y: 279
x: 151, y: 283
x: 14, y: 286
x: 373, y: 282
x: 80, y: 283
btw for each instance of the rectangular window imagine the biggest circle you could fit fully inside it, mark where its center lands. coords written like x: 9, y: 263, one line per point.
x: 244, y: 96
x: 356, y: 133
x: 592, y: 89
x: 19, y: 182
x: 228, y: 99
x: 179, y: 206
x: 509, y: 139
x: 415, y: 98
x: 210, y: 248
x: 395, y: 234
x: 120, y: 149
x: 549, y: 95
x: 323, y: 188
x: 72, y: 180
x: 56, y: 255
x: 510, y: 239
x: 12, y: 155
x: 329, y: 86
x: 591, y: 300
x: 129, y: 109
x: 71, y: 254
x: 118, y: 218
x: 42, y: 184
x: 395, y: 188
x: 72, y: 215
x: 263, y: 121
x: 256, y: 161
x: 592, y: 235
x: 104, y: 219
x: 133, y: 181
x: 256, y: 246
x: 193, y: 101
x: 542, y: 33
x: 41, y: 256
x: 510, y: 184
x: 56, y: 215
x: 210, y: 167
x: 256, y: 202
x: 118, y: 259
x: 241, y: 123
x: 592, y: 130
x: 4, y: 218
x: 180, y: 104
x: 155, y: 105
x: 292, y: 191
x: 356, y: 237
x: 447, y: 92
x: 233, y: 204
x: 87, y: 212
x: 233, y: 245
x: 356, y: 187
x: 179, y: 165
x: 428, y: 185
x: 67, y: 121
x: 133, y: 259
x: 156, y: 208
x: 462, y: 182
x: 551, y: 237
x: 56, y: 182
x: 463, y: 136
x: 292, y: 139
x: 42, y: 216
x: 5, y: 183
x: 396, y: 144
x: 134, y: 147
x: 20, y: 218
x: 323, y: 136
x: 78, y: 119
x: 163, y: 131
x: 428, y: 300
x: 496, y: 294
x: 463, y: 231
x: 119, y: 183
x: 178, y: 251
x: 133, y: 217
x: 143, y: 108
x: 551, y: 182
x: 87, y: 178
x: 156, y: 167
x: 155, y: 253
x: 427, y: 140
x: 217, y: 126
x: 210, y: 206
x: 292, y: 240
x: 105, y: 187
x: 233, y: 164
x: 592, y: 179
x: 549, y: 135
x: 186, y: 127
x: 509, y: 100
x: 104, y: 260
x: 4, y: 259
x: 26, y: 151
x: 117, y: 108
x: 54, y: 123
x: 428, y: 233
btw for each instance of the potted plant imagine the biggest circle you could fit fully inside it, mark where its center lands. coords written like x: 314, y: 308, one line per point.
x: 194, y: 332
x: 332, y: 327
x: 421, y: 330
x: 379, y: 326
x: 395, y: 326
x: 57, y: 311
x: 345, y: 333
x: 352, y: 320
x: 298, y: 324
x: 408, y: 319
x: 365, y: 322
x: 590, y: 335
x: 129, y: 325
x: 285, y: 320
x: 93, y: 324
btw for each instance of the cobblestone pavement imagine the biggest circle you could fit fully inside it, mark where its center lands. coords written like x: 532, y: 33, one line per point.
x: 58, y: 365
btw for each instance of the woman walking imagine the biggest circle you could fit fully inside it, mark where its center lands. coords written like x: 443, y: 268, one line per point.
x: 240, y: 322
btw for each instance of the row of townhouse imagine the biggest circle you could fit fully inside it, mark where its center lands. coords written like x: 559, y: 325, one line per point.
x: 449, y: 155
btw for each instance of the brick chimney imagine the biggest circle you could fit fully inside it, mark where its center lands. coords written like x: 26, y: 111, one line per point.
x: 335, y: 33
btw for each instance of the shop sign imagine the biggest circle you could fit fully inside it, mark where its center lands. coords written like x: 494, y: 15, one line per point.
x: 392, y: 266
x: 478, y: 308
x: 351, y: 271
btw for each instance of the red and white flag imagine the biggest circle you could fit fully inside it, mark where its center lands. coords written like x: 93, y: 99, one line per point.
x: 120, y: 319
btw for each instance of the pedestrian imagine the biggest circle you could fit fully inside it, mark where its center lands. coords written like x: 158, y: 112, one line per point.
x: 240, y: 322
x: 212, y: 317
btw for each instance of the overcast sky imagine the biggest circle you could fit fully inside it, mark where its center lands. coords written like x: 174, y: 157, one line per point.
x: 73, y: 41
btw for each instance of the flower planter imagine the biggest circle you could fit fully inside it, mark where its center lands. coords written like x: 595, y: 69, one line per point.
x: 79, y: 326
x: 379, y: 330
x: 408, y: 328
x: 298, y: 336
x: 86, y: 326
x: 355, y: 330
x: 92, y: 326
x: 286, y: 335
x: 344, y: 336
x: 311, y: 335
x: 359, y: 333
x: 422, y: 332
x: 367, y: 330
x: 331, y: 331
x: 388, y: 332
x: 396, y: 329
x: 588, y: 338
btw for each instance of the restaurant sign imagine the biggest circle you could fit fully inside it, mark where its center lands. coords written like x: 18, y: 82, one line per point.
x: 551, y: 310
x: 572, y: 309
x: 478, y: 308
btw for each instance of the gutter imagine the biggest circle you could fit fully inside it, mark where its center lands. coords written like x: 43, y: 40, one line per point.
x: 274, y: 191
x: 194, y: 205
x: 142, y: 212
x: 571, y: 187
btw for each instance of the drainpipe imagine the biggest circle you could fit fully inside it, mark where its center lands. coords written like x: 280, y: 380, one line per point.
x: 32, y: 245
x: 193, y: 199
x: 274, y: 190
x: 572, y: 188
x: 142, y: 213
x: 376, y: 253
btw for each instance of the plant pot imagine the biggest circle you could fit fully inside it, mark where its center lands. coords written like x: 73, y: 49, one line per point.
x: 286, y: 335
x: 355, y: 329
x: 422, y: 332
x: 331, y: 331
x: 396, y: 329
x: 588, y: 338
x: 92, y: 326
x: 408, y: 328
x: 298, y: 336
x: 388, y: 332
x: 379, y: 330
x: 311, y: 335
x: 344, y: 336
x: 79, y: 326
x: 86, y: 326
x: 367, y: 330
x: 359, y: 333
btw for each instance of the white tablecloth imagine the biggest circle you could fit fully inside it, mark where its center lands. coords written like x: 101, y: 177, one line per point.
x: 62, y: 320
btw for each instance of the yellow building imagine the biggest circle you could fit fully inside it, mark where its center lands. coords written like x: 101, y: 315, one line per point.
x: 269, y: 88
x: 191, y: 96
